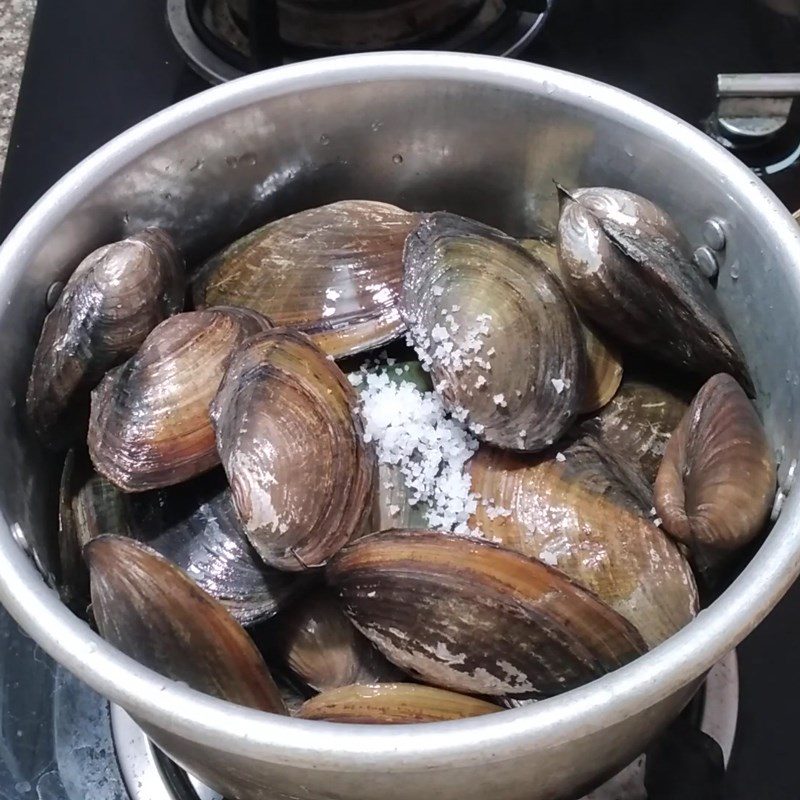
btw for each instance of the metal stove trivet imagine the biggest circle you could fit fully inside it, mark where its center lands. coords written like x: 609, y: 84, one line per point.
x: 150, y: 775
x: 515, y: 30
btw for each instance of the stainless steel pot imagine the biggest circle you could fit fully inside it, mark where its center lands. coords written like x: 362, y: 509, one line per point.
x: 479, y: 136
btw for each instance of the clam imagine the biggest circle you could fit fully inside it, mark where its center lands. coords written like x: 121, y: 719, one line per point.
x: 494, y: 326
x: 716, y: 482
x: 300, y: 473
x: 153, y: 612
x: 320, y: 645
x: 194, y: 525
x: 393, y: 703
x: 603, y: 358
x: 465, y: 614
x: 638, y: 422
x: 112, y: 300
x: 334, y: 272
x: 150, y: 425
x: 583, y: 510
x: 88, y: 506
x: 627, y: 268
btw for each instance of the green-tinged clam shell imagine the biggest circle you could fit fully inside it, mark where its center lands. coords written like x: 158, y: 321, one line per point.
x: 627, y: 267
x: 150, y: 425
x: 468, y: 615
x: 111, y: 302
x: 300, y: 473
x: 503, y: 343
x: 716, y: 483
x: 393, y: 704
x: 334, y: 272
x: 153, y: 612
x: 585, y: 511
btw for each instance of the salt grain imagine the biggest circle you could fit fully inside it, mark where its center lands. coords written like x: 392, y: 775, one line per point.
x: 438, y: 291
x: 499, y: 400
x: 560, y: 457
x: 551, y: 559
x: 412, y: 430
x: 558, y: 384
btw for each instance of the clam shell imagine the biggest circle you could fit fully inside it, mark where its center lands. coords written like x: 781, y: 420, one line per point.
x: 153, y: 612
x: 627, y: 268
x: 468, y: 615
x: 193, y: 525
x: 585, y: 514
x: 502, y: 341
x: 603, y: 357
x: 318, y: 643
x: 112, y: 300
x: 393, y: 703
x: 301, y: 475
x: 334, y: 272
x: 638, y: 422
x: 150, y: 425
x: 716, y: 483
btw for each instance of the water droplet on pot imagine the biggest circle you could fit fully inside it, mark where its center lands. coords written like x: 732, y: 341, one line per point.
x: 397, y: 158
x: 53, y: 293
x: 248, y: 159
x: 376, y: 126
x: 324, y: 140
x: 232, y: 161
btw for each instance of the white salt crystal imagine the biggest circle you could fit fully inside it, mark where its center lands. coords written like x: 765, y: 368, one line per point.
x: 412, y: 430
x: 560, y: 457
x: 394, y: 510
x: 657, y: 522
x: 480, y: 381
x: 499, y: 400
x: 548, y: 558
x: 399, y: 370
x: 438, y: 291
x: 558, y: 384
x: 355, y: 378
x: 332, y: 294
x: 328, y: 311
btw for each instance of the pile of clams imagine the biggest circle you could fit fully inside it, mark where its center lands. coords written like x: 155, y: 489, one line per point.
x: 227, y: 518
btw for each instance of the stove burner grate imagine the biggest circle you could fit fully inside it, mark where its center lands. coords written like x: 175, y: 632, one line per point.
x: 498, y: 27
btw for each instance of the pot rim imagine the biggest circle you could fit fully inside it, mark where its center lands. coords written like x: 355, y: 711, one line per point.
x: 174, y: 707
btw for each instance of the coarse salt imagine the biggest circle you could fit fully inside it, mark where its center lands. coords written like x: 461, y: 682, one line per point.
x: 412, y: 430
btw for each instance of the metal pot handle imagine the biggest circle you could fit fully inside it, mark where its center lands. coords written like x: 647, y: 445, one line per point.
x: 755, y: 106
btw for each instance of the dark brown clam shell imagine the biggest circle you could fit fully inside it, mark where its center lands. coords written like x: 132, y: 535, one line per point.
x: 503, y: 343
x: 150, y: 425
x: 468, y: 615
x: 716, y: 483
x: 301, y: 475
x: 334, y: 272
x: 639, y: 420
x: 153, y: 612
x: 584, y: 510
x: 194, y: 525
x: 626, y: 267
x: 113, y: 299
x: 392, y: 704
x: 322, y: 647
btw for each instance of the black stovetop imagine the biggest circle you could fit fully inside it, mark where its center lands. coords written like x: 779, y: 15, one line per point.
x: 96, y: 68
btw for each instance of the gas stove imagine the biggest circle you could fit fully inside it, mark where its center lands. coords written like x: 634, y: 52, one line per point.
x: 94, y: 69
